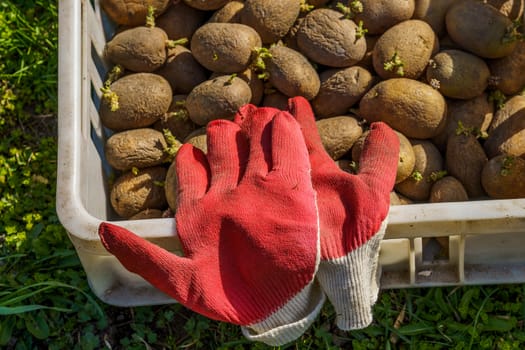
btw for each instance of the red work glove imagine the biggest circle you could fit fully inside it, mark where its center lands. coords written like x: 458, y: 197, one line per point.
x: 353, y: 213
x: 247, y: 222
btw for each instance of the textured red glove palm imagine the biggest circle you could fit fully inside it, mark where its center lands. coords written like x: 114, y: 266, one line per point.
x: 247, y: 222
x: 353, y: 211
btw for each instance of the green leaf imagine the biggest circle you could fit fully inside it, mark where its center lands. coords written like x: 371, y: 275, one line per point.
x: 415, y: 329
x: 464, y: 304
x: 499, y: 324
x: 6, y: 329
x: 37, y: 325
x: 15, y: 310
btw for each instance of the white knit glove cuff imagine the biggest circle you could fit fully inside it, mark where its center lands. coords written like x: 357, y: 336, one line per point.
x: 351, y: 283
x: 290, y: 321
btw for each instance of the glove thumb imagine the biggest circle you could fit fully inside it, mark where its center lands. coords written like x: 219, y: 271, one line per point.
x: 166, y: 271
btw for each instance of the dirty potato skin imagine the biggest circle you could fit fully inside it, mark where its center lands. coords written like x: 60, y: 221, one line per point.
x: 206, y: 5
x: 379, y: 15
x: 458, y: 74
x: 504, y: 70
x: 225, y: 47
x: 198, y: 139
x: 272, y: 19
x: 407, y: 158
x: 327, y: 38
x: 171, y: 185
x: 503, y: 177
x: 180, y: 21
x: 428, y: 161
x: 341, y: 89
x: 182, y: 70
x: 412, y: 41
x: 338, y: 134
x: 448, y: 189
x: 217, y: 98
x: 132, y: 12
x: 132, y: 193
x: 479, y: 28
x: 508, y: 137
x: 229, y: 13
x: 409, y: 106
x: 142, y: 97
x: 139, y: 49
x: 465, y: 158
x: 139, y: 148
x: 433, y: 12
x: 176, y: 119
x: 291, y: 73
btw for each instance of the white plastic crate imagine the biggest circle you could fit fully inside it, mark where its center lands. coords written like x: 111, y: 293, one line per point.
x: 484, y: 240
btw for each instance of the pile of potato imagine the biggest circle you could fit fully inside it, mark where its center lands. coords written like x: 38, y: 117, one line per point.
x: 447, y: 75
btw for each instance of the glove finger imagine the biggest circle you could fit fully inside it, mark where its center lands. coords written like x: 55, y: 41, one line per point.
x: 243, y: 114
x: 168, y: 272
x: 289, y: 153
x: 227, y: 153
x: 193, y: 175
x: 379, y: 158
x: 257, y: 129
x: 300, y: 108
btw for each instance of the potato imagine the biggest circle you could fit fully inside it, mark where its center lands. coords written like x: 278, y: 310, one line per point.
x: 182, y: 70
x: 428, y: 163
x: 137, y: 148
x: 272, y: 19
x: 341, y: 89
x: 346, y: 165
x: 139, y: 49
x: 180, y: 21
x: 142, y: 99
x: 433, y: 12
x: 510, y: 8
x: 399, y: 199
x: 225, y: 47
x: 206, y: 4
x: 132, y: 193
x: 366, y: 62
x: 229, y: 13
x: 404, y: 50
x: 176, y: 119
x: 291, y: 73
x: 508, y: 137
x: 465, y: 158
x: 474, y: 114
x: 217, y: 98
x: 379, y: 15
x: 132, y: 12
x: 338, y: 134
x: 251, y: 78
x: 327, y: 38
x: 411, y: 107
x: 170, y: 186
x: 458, y: 74
x: 480, y: 28
x: 198, y: 139
x: 448, y: 189
x: 513, y: 106
x: 503, y: 177
x: 504, y: 70
x: 407, y: 158
x: 276, y: 100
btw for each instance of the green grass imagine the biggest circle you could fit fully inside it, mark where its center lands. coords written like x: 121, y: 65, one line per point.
x: 45, y: 302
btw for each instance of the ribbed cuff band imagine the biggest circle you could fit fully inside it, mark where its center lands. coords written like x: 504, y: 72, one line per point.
x: 290, y: 321
x: 351, y: 283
